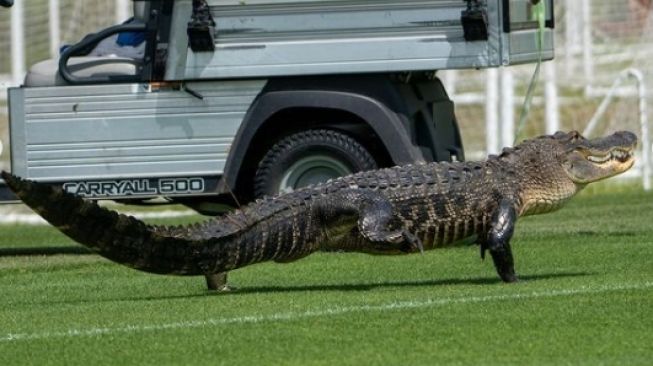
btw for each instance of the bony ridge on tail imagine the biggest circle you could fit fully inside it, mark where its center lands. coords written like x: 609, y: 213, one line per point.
x: 396, y: 210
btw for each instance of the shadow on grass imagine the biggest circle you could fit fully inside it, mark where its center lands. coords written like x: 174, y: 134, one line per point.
x: 372, y: 286
x: 353, y: 287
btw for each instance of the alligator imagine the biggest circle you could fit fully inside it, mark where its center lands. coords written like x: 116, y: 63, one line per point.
x: 403, y: 209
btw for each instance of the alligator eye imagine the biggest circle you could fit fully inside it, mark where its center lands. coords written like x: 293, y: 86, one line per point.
x: 575, y: 135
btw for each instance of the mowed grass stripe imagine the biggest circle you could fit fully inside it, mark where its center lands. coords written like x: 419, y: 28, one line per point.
x: 333, y: 311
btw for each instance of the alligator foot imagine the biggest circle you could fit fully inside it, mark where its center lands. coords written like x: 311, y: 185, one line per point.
x: 504, y: 264
x: 412, y: 243
x: 218, y: 282
x: 498, y: 241
x: 399, y: 240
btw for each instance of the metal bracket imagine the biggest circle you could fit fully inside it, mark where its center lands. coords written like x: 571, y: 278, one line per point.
x: 474, y: 21
x: 201, y: 28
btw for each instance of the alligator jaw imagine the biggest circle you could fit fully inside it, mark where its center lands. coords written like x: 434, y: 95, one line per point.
x: 589, y: 161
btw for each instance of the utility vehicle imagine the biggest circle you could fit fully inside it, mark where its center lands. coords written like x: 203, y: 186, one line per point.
x: 233, y: 99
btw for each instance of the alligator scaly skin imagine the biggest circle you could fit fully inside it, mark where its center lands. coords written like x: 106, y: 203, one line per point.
x: 388, y: 211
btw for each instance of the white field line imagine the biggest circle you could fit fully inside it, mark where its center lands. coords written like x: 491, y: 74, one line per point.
x: 332, y: 311
x: 34, y: 219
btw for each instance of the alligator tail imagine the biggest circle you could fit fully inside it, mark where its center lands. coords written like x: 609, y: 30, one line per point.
x: 125, y: 239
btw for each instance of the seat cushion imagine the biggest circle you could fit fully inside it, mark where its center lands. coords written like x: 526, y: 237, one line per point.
x: 46, y: 73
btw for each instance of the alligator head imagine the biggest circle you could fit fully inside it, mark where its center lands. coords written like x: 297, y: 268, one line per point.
x: 553, y: 168
x: 586, y: 161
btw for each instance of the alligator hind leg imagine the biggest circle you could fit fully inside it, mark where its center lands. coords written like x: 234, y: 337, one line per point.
x: 498, y: 240
x: 371, y: 216
x: 217, y: 282
x: 374, y: 222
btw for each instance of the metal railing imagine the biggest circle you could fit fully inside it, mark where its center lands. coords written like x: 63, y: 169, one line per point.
x: 638, y: 76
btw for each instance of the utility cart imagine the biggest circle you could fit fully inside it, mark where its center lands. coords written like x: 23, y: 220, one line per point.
x: 233, y: 99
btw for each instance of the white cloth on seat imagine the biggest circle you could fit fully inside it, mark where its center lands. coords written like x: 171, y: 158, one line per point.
x: 46, y: 73
x: 110, y: 47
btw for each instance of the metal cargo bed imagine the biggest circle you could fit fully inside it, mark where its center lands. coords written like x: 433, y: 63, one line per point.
x: 267, y: 38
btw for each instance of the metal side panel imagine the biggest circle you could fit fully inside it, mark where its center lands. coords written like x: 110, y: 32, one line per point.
x: 18, y: 154
x: 126, y: 130
x: 272, y: 38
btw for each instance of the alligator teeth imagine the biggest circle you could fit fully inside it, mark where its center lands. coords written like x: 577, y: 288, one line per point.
x: 620, y: 155
x: 598, y: 159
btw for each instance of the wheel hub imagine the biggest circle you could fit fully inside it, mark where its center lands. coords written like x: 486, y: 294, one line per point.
x: 312, y: 170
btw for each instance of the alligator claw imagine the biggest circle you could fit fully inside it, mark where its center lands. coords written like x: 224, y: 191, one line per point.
x: 413, y: 241
x: 218, y: 282
x: 509, y: 277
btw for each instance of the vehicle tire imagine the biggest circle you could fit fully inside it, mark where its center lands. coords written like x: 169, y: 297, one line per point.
x: 309, y: 157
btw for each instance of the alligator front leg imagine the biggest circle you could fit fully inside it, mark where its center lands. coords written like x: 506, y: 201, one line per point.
x: 498, y: 240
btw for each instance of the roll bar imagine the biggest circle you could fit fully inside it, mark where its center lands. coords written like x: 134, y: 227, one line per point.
x: 90, y: 40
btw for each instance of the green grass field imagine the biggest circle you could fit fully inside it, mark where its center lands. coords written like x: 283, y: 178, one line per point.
x: 586, y: 297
